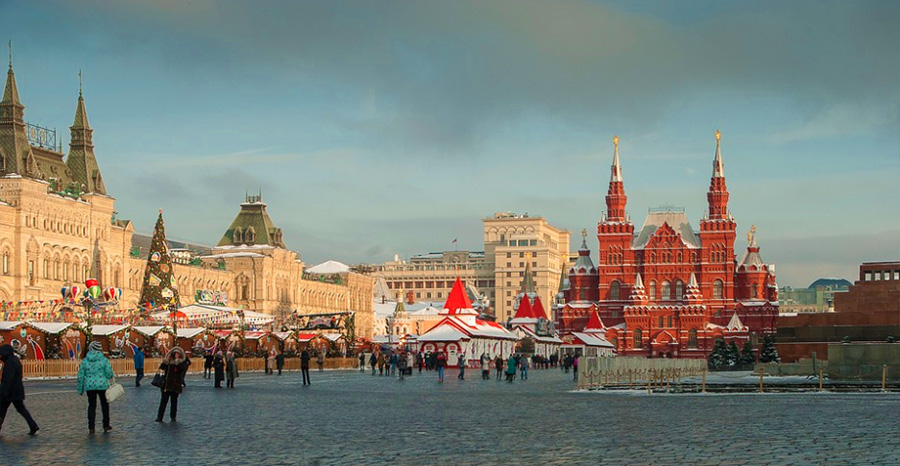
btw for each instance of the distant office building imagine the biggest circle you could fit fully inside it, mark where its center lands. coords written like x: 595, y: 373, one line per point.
x: 817, y: 297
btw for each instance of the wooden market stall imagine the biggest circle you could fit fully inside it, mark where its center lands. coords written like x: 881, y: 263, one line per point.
x: 28, y: 342
x: 154, y: 340
x: 230, y: 340
x: 112, y: 337
x: 197, y: 341
x: 288, y: 343
x: 65, y: 340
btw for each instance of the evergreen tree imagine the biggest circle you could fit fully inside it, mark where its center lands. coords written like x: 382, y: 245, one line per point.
x: 769, y: 353
x: 718, y: 358
x: 733, y: 354
x: 159, y: 288
x: 746, y: 359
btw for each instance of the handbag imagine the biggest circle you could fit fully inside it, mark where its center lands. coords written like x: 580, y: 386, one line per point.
x: 159, y: 380
x: 115, y: 391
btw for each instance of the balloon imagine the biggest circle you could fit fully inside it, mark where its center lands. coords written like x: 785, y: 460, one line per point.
x: 91, y: 282
x: 65, y: 292
x: 118, y: 293
x: 74, y: 291
x: 109, y: 294
x: 94, y: 291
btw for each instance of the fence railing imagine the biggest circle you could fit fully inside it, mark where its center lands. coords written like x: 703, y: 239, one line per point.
x: 625, y: 372
x: 66, y: 368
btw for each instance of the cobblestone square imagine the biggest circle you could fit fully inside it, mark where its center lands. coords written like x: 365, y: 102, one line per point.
x: 349, y: 417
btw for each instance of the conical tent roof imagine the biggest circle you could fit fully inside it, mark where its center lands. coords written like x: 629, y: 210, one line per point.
x: 594, y: 323
x: 457, y: 299
x: 524, y: 310
x: 537, y: 309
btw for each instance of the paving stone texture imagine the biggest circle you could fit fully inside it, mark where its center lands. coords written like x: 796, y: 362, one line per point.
x: 349, y: 417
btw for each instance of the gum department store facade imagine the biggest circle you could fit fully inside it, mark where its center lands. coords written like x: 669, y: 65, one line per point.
x: 58, y: 227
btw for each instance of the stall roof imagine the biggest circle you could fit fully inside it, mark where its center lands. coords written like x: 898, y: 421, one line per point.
x: 9, y: 324
x: 148, y: 330
x: 444, y: 333
x: 253, y: 335
x: 190, y: 332
x: 52, y: 328
x: 591, y: 339
x: 215, y: 314
x: 303, y: 337
x: 106, y: 330
x: 282, y: 335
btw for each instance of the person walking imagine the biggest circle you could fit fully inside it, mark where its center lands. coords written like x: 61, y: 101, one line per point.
x: 575, y: 368
x: 218, y: 365
x: 320, y: 360
x: 420, y: 360
x: 381, y: 363
x: 362, y: 361
x: 498, y: 364
x: 304, y: 366
x: 231, y: 370
x: 409, y: 361
x: 393, y: 362
x: 373, y: 361
x: 12, y: 390
x: 523, y: 367
x: 439, y: 362
x: 138, y: 366
x: 461, y: 362
x: 93, y: 379
x: 279, y: 362
x: 511, y: 368
x: 401, y: 365
x: 174, y: 366
x: 207, y: 364
x: 485, y: 366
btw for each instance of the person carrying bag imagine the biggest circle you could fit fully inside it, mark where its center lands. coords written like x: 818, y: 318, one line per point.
x: 93, y: 378
x: 172, y: 371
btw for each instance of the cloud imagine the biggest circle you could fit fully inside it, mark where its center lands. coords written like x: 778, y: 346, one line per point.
x: 442, y: 77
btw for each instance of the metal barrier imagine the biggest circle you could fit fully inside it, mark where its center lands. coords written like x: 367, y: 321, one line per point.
x: 68, y: 368
x: 626, y: 372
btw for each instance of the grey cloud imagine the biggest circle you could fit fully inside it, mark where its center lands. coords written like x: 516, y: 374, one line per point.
x: 448, y: 74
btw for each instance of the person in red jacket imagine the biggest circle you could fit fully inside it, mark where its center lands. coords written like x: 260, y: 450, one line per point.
x: 439, y: 363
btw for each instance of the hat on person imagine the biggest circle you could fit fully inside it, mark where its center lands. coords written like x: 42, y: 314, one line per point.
x: 96, y: 346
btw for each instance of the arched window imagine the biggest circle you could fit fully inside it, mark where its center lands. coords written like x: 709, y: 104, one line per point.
x: 46, y: 268
x: 56, y: 269
x: 66, y: 270
x: 669, y: 322
x: 6, y: 263
x: 754, y: 291
x: 665, y: 291
x: 717, y: 289
x: 637, y: 338
x: 692, y: 338
x: 652, y: 290
x: 679, y: 290
x: 614, y: 291
x: 237, y: 236
x: 660, y: 322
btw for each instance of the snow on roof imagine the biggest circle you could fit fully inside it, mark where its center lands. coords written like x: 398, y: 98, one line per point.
x: 676, y: 219
x: 9, y: 324
x: 282, y: 335
x: 332, y: 336
x: 540, y: 338
x: 592, y: 339
x: 107, y: 330
x: 303, y: 337
x: 216, y: 314
x: 443, y: 333
x: 190, y: 332
x: 226, y: 255
x: 52, y: 328
x: 426, y: 311
x: 384, y: 309
x: 329, y: 268
x: 149, y: 330
x: 254, y: 335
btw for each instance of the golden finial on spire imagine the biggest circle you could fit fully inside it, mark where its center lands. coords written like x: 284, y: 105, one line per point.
x: 616, y: 140
x: 751, y: 233
x: 718, y: 135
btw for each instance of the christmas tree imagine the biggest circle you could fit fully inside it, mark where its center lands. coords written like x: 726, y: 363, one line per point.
x: 769, y: 353
x: 746, y: 359
x: 159, y: 287
x: 718, y: 359
x: 733, y: 354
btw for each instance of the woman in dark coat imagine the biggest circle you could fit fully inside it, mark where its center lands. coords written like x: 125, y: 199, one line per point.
x: 231, y: 369
x: 12, y: 391
x: 173, y: 367
x: 219, y: 366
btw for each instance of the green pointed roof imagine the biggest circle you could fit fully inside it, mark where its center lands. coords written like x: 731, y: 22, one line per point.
x: 81, y: 119
x: 82, y: 162
x: 528, y: 285
x: 252, y: 226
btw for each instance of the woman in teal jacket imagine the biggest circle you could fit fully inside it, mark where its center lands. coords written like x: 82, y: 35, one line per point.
x: 93, y: 379
x: 511, y: 368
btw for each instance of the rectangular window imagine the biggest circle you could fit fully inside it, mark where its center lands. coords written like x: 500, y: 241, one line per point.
x: 508, y: 255
x: 876, y: 275
x: 868, y: 276
x: 508, y: 283
x: 521, y: 255
x: 427, y: 295
x: 896, y: 274
x: 534, y: 254
x: 532, y: 242
x: 418, y: 295
x: 521, y: 264
x: 512, y: 243
x: 534, y: 263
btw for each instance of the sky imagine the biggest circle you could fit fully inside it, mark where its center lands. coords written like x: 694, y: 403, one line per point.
x: 382, y: 128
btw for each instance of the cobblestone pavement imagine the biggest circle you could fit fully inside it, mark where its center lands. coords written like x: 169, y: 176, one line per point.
x: 355, y: 418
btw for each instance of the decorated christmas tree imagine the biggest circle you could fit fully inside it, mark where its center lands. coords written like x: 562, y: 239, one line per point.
x: 159, y: 288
